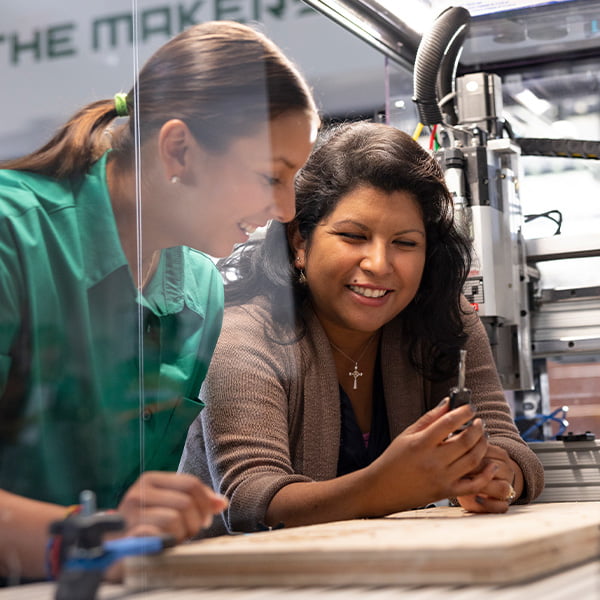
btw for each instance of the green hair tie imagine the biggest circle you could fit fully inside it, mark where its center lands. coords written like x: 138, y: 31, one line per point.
x: 121, y: 104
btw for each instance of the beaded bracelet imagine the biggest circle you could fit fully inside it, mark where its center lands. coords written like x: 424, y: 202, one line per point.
x: 54, y: 547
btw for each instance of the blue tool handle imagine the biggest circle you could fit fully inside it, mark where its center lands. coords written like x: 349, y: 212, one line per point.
x: 132, y: 546
x: 114, y: 550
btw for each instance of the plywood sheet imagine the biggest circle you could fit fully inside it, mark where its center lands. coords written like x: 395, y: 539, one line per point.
x: 444, y: 545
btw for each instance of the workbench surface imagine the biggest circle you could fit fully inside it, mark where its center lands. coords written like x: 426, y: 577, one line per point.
x: 578, y: 583
x: 433, y: 546
x: 539, y: 551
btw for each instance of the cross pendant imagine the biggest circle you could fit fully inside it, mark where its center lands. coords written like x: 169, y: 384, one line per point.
x: 356, y: 374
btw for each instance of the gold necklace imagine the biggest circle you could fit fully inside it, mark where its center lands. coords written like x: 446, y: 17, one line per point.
x: 356, y: 373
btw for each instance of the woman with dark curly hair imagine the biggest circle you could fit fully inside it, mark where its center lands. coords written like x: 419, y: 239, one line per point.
x: 327, y: 395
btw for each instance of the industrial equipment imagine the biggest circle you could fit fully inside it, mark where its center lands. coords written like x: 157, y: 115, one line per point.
x: 480, y: 156
x: 459, y: 93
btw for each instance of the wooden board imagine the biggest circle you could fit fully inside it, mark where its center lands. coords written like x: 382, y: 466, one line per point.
x: 444, y: 545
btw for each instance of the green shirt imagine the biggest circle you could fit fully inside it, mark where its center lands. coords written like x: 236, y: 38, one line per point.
x: 74, y: 411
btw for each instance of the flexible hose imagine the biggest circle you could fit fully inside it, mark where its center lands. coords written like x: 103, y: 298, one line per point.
x: 447, y: 76
x: 438, y: 50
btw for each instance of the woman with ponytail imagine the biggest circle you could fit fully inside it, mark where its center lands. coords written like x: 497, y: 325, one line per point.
x: 109, y: 307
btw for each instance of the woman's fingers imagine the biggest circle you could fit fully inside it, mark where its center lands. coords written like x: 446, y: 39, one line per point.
x: 498, y: 493
x: 452, y: 423
x: 170, y: 521
x: 475, y: 485
x: 470, y: 465
x: 439, y: 424
x: 478, y: 503
x: 185, y: 492
x: 501, y: 458
x: 465, y: 451
x: 499, y: 489
x: 178, y: 504
x: 428, y: 418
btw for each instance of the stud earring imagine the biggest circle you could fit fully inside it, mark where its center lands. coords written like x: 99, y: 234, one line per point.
x: 175, y: 179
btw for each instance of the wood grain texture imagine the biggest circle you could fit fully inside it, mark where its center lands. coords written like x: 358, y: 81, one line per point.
x: 444, y: 545
x: 581, y: 582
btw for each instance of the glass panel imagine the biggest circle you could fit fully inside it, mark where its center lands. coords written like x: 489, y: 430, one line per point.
x: 110, y: 303
x: 64, y: 344
x: 222, y: 123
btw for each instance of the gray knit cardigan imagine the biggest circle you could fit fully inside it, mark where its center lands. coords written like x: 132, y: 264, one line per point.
x: 272, y: 414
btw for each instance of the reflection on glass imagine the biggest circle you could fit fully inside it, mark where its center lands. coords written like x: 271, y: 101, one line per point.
x: 110, y: 301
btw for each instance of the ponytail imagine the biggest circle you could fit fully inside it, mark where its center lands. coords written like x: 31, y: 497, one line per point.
x: 221, y: 78
x: 74, y: 147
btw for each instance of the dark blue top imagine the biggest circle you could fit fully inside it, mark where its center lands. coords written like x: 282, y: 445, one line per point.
x: 354, y: 454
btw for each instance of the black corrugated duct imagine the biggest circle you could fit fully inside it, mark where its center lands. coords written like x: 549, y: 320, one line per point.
x: 436, y: 63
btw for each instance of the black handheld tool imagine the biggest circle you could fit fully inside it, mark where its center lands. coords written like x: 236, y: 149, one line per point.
x: 79, y: 556
x: 461, y: 395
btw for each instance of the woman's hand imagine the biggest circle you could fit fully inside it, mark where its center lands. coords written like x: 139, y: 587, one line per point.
x: 157, y: 503
x: 161, y: 503
x: 425, y: 463
x: 177, y: 504
x: 504, y: 488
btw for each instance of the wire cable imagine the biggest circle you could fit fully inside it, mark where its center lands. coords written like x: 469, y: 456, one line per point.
x: 432, y: 137
x: 417, y: 132
x: 547, y: 215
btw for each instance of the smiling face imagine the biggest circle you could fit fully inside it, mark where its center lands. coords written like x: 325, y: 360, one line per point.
x: 254, y: 180
x: 224, y: 197
x: 364, y: 262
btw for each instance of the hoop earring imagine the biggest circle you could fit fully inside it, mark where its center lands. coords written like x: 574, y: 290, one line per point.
x: 175, y: 179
